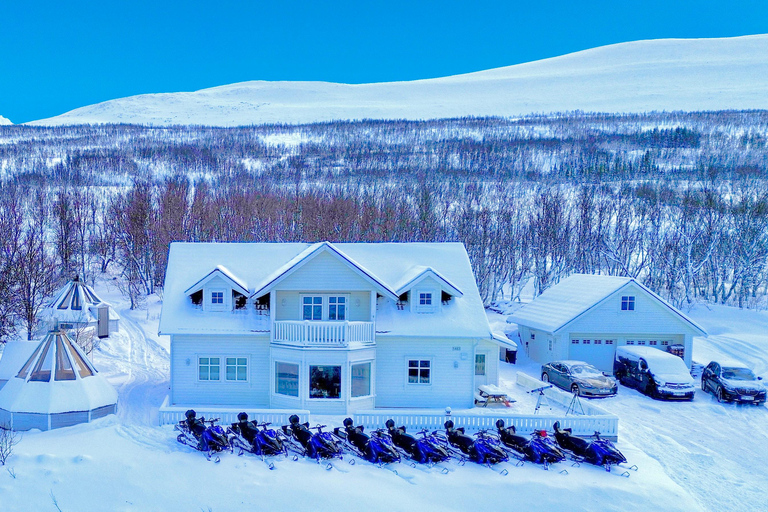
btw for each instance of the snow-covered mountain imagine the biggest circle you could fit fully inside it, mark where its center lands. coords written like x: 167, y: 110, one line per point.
x: 5, y: 120
x: 665, y: 74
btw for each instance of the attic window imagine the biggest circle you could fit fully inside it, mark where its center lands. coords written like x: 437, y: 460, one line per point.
x: 424, y: 301
x: 197, y: 298
x: 240, y: 300
x: 628, y: 303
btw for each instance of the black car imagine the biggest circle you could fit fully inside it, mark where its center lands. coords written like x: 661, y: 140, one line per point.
x: 732, y: 382
x: 579, y: 377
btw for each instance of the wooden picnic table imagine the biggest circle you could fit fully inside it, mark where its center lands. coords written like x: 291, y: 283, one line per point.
x: 489, y: 393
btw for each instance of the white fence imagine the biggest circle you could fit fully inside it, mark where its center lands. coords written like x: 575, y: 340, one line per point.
x: 170, y: 415
x: 309, y: 332
x: 593, y: 420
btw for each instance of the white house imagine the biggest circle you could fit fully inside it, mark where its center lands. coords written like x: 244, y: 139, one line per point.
x: 585, y: 317
x: 329, y: 328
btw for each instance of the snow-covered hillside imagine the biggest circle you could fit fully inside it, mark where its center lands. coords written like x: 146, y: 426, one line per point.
x: 5, y: 120
x: 668, y: 74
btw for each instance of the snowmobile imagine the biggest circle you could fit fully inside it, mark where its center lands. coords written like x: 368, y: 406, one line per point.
x: 539, y: 449
x: 209, y: 440
x: 426, y: 450
x: 484, y: 449
x: 600, y: 452
x: 376, y: 448
x: 256, y: 437
x: 318, y: 445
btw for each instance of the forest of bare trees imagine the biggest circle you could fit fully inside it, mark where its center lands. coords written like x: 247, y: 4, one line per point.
x: 678, y: 201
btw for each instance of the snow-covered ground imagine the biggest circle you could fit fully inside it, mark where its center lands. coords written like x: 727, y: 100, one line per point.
x: 640, y: 76
x: 691, y: 456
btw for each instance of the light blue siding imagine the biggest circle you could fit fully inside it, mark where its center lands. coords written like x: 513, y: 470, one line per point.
x: 187, y: 389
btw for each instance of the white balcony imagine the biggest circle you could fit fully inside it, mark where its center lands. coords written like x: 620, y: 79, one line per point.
x: 311, y: 333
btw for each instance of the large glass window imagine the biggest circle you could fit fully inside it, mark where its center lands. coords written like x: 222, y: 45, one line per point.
x: 361, y: 379
x: 325, y: 382
x: 208, y: 368
x: 237, y: 368
x: 337, y: 308
x: 313, y: 308
x: 419, y: 371
x: 287, y: 379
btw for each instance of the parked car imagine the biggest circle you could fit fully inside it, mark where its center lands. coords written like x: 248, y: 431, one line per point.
x: 579, y: 377
x: 653, y: 372
x: 731, y: 381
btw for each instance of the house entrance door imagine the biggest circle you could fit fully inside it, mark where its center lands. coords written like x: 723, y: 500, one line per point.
x: 481, y: 370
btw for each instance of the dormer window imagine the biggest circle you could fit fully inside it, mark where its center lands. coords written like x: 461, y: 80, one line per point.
x: 217, y: 300
x: 425, y: 301
x: 628, y: 303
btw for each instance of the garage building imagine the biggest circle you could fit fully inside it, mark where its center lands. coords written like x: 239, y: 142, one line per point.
x: 585, y: 317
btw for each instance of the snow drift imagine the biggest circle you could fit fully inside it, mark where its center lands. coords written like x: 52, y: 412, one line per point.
x: 5, y: 120
x: 641, y: 76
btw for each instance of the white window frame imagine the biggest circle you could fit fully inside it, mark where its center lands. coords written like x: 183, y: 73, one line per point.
x: 217, y: 306
x: 434, y: 303
x: 419, y: 359
x: 209, y: 357
x: 237, y: 365
x: 629, y: 301
x: 325, y: 306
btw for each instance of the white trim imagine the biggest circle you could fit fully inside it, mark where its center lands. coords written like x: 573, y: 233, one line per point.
x: 217, y: 306
x: 407, y: 365
x: 430, y: 272
x: 226, y: 274
x: 325, y: 306
x: 434, y: 300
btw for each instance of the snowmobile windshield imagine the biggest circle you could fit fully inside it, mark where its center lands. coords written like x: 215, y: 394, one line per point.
x: 585, y: 371
x: 738, y: 374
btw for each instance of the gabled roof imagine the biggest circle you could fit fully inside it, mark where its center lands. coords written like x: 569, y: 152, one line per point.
x: 221, y: 271
x: 418, y: 273
x: 383, y: 265
x: 574, y: 296
x: 310, y: 253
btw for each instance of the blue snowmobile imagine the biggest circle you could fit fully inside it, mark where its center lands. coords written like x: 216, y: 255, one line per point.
x: 483, y: 449
x: 599, y: 451
x: 425, y: 450
x: 255, y: 437
x: 539, y: 449
x: 376, y: 448
x: 317, y: 445
x: 209, y: 439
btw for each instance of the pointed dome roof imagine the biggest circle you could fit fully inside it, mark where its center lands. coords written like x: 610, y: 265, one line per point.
x: 56, y: 378
x: 73, y: 303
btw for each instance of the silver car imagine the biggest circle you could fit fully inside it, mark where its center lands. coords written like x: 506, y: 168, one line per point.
x: 580, y: 378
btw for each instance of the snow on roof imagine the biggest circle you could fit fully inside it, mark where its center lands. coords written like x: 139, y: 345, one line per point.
x: 285, y: 270
x: 14, y: 354
x: 73, y: 302
x: 419, y: 272
x: 238, y: 284
x: 383, y: 263
x: 502, y: 340
x: 574, y: 296
x: 56, y: 378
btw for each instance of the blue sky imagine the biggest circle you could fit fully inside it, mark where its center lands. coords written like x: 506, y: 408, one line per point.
x: 59, y: 55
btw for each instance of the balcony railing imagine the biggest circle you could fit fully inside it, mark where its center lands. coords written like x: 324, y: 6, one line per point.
x: 323, y: 334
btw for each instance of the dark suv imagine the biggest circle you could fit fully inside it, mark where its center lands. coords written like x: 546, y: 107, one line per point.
x: 732, y: 382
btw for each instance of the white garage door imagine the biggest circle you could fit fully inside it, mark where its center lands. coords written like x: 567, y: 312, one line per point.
x: 597, y: 351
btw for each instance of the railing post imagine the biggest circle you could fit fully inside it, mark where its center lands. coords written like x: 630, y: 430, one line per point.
x: 346, y: 339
